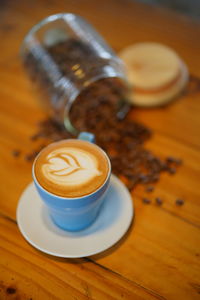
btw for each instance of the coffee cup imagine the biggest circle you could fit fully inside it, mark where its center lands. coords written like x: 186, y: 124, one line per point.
x: 72, y: 177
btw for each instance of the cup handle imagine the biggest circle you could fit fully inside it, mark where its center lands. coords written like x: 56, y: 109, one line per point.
x: 86, y: 136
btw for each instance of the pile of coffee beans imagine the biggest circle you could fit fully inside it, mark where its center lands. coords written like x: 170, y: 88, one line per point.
x: 96, y: 110
x: 124, y: 143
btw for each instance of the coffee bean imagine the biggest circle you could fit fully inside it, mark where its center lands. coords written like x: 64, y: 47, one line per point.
x: 171, y: 171
x: 16, y: 153
x: 179, y: 202
x: 170, y: 159
x: 159, y: 201
x: 174, y: 160
x: 149, y: 188
x: 146, y: 201
x: 11, y: 290
x: 29, y: 157
x: 143, y: 178
x: 35, y: 137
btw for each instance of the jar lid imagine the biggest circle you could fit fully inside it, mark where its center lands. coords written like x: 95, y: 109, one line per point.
x: 156, y: 73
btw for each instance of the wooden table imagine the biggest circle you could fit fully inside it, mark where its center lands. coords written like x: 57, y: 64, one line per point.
x: 159, y: 256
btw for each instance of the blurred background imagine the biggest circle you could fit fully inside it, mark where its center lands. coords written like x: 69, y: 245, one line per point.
x: 188, y: 7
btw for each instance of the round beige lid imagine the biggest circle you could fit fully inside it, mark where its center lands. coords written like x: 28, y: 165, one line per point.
x: 150, y: 65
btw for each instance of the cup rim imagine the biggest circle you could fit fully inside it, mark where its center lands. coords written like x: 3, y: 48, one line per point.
x: 71, y: 198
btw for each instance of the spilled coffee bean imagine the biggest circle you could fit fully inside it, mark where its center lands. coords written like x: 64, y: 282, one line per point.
x: 171, y: 171
x: 11, y: 290
x: 16, y: 153
x: 179, y: 202
x: 149, y: 189
x: 146, y: 201
x: 159, y: 201
x: 173, y: 160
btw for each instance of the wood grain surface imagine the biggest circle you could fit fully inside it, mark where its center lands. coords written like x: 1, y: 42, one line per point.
x: 158, y: 258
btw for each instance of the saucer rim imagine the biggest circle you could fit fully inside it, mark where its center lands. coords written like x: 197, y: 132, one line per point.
x: 117, y: 182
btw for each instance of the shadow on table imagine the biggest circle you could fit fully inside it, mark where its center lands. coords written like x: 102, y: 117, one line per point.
x: 112, y: 249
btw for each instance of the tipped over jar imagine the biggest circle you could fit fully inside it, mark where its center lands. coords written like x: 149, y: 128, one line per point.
x: 79, y: 77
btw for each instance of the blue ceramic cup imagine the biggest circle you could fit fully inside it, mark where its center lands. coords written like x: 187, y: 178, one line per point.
x: 77, y: 213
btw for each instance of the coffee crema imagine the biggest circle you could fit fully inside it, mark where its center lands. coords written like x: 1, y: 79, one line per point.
x: 71, y: 168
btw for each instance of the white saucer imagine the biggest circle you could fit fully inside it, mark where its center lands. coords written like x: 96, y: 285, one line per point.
x: 112, y: 223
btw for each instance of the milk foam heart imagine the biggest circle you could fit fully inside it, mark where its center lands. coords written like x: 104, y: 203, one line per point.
x: 71, y: 168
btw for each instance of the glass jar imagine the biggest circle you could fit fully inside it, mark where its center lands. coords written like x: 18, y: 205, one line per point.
x: 64, y: 56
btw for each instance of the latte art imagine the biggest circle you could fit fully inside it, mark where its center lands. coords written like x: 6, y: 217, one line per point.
x: 71, y: 168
